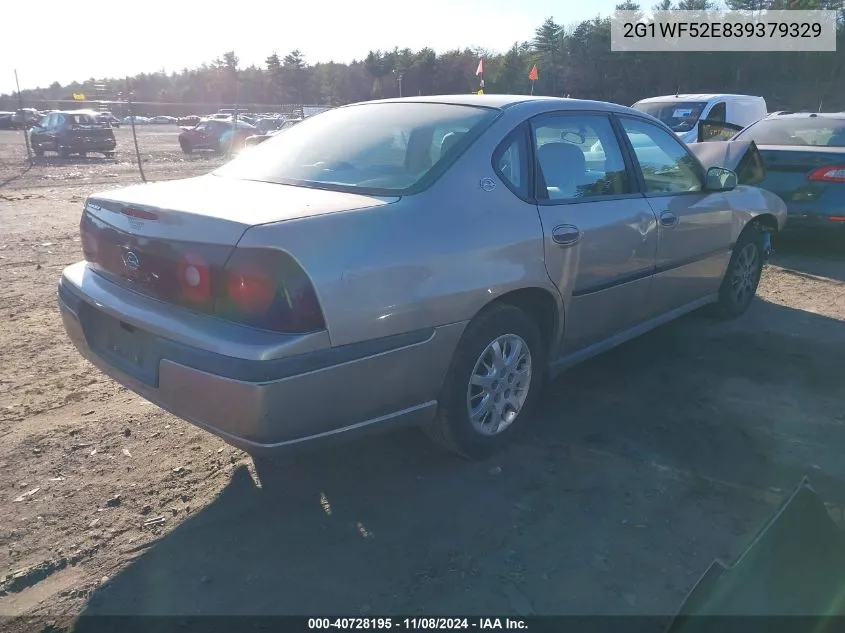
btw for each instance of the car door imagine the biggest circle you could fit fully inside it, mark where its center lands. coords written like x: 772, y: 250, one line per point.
x: 36, y: 133
x: 41, y: 136
x: 201, y: 135
x: 600, y: 236
x: 694, y: 226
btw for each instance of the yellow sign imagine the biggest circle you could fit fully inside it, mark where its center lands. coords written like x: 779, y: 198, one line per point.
x: 78, y: 96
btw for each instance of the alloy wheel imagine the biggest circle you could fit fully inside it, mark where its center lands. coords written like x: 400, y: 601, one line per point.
x: 499, y: 384
x: 746, y: 274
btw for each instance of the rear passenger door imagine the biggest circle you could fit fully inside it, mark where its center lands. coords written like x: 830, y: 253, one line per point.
x: 599, y: 233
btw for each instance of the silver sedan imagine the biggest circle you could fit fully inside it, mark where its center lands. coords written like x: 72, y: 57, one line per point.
x: 428, y: 260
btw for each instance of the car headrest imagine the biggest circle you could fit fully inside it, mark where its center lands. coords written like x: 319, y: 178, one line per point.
x: 449, y: 141
x: 563, y: 165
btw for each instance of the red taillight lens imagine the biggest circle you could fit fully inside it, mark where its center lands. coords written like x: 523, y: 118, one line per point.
x: 251, y: 291
x: 88, y: 235
x: 835, y: 173
x: 194, y: 278
x: 268, y: 289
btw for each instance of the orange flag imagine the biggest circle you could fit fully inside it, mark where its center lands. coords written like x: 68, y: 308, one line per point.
x: 534, y: 75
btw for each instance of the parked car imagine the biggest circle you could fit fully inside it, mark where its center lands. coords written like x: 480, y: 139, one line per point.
x: 25, y: 118
x: 804, y: 155
x: 6, y: 120
x: 188, y: 121
x: 139, y: 120
x: 72, y: 132
x: 108, y: 117
x: 423, y: 260
x: 163, y: 120
x: 252, y: 141
x: 268, y: 124
x: 683, y: 112
x: 214, y: 134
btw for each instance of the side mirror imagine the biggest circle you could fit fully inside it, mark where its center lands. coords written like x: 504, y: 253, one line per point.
x: 720, y: 179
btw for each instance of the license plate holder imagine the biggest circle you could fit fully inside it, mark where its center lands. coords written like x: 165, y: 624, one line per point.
x: 128, y: 348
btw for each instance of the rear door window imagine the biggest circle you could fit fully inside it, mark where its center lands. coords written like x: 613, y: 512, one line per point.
x: 578, y: 156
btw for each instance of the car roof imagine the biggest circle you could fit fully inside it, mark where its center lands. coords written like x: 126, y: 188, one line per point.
x: 807, y: 115
x: 697, y: 97
x: 502, y: 101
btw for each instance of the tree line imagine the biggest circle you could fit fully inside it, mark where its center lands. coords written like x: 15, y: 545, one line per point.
x: 574, y: 60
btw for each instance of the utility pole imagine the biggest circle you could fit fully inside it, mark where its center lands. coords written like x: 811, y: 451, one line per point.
x: 134, y: 133
x: 20, y: 105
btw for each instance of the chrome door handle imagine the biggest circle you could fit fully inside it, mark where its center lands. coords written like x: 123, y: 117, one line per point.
x: 566, y: 235
x: 667, y: 218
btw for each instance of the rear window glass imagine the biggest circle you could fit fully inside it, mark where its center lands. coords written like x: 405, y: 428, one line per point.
x: 81, y: 119
x: 374, y: 148
x: 817, y: 131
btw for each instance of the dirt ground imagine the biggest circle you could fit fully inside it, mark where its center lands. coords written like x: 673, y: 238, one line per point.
x: 643, y: 465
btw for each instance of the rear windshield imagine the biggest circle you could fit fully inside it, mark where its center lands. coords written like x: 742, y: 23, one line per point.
x: 81, y: 119
x: 681, y: 116
x: 817, y: 131
x: 373, y: 148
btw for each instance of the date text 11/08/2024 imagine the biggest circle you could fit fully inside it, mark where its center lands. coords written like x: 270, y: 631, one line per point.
x: 416, y: 623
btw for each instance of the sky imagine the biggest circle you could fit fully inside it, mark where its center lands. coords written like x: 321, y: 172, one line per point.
x: 82, y: 40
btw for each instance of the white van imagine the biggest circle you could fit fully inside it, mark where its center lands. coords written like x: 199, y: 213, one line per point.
x: 683, y: 112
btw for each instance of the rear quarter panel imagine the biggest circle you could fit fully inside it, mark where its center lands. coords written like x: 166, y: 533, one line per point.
x: 427, y: 260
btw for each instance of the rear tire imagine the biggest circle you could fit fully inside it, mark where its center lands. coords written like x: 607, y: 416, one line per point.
x: 488, y: 395
x: 62, y: 152
x: 108, y: 154
x: 742, y: 277
x: 187, y: 148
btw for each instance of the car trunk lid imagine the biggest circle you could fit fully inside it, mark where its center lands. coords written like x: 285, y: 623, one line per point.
x: 172, y: 240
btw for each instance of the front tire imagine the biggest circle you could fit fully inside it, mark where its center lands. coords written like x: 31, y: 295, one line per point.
x: 492, y: 383
x: 742, y: 277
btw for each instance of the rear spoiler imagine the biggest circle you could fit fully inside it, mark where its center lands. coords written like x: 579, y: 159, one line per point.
x: 741, y: 157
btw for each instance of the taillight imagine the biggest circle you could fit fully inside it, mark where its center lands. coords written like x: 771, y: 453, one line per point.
x: 268, y: 289
x: 89, y: 237
x: 835, y: 173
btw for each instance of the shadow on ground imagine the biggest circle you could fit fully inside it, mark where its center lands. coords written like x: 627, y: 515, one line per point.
x: 643, y: 465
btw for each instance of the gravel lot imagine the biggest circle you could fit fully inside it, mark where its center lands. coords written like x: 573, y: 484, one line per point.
x: 642, y: 466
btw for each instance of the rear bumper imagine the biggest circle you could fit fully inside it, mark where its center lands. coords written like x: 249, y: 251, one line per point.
x: 809, y: 220
x: 260, y: 400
